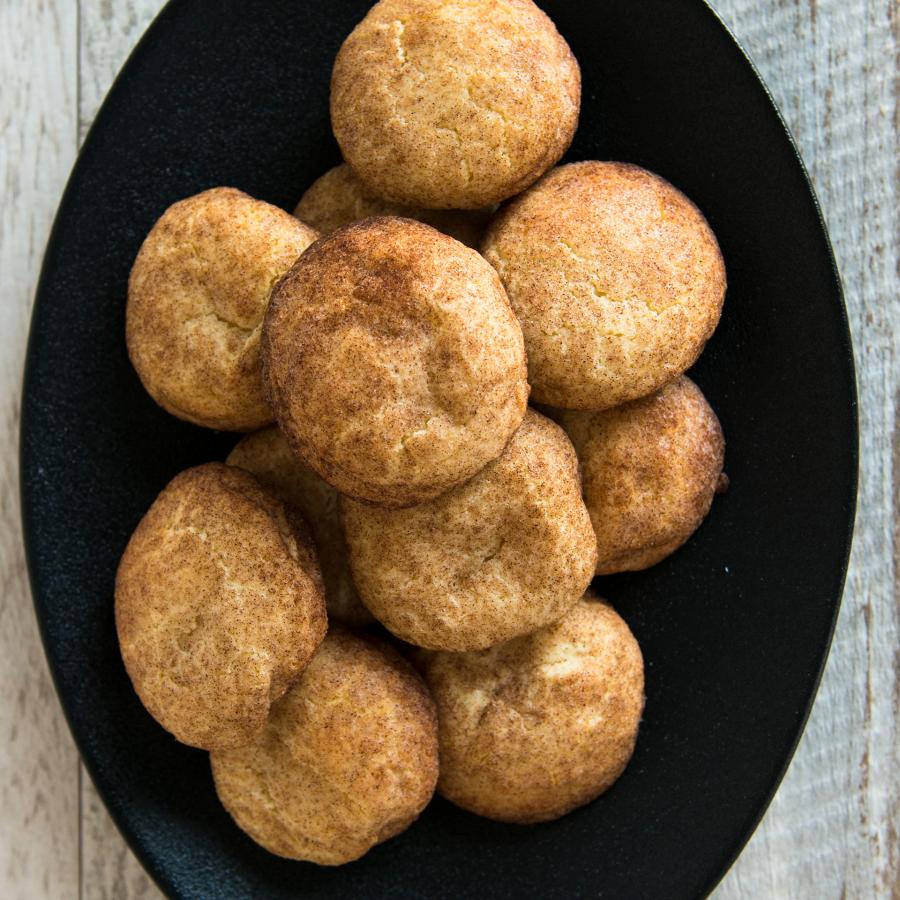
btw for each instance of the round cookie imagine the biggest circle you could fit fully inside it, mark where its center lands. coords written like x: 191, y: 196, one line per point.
x: 506, y: 553
x: 454, y: 104
x: 196, y: 298
x: 349, y: 757
x: 616, y: 278
x: 219, y: 606
x: 538, y: 726
x: 649, y: 471
x: 393, y: 362
x: 266, y: 455
x: 339, y: 198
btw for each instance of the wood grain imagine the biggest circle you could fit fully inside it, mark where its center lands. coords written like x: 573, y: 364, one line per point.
x: 832, y: 830
x: 38, y: 762
x: 109, y: 870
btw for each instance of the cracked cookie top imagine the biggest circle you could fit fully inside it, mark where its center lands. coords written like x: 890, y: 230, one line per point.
x: 349, y: 757
x: 338, y: 198
x: 616, y: 278
x: 540, y: 725
x: 219, y: 605
x: 393, y: 362
x: 507, y: 552
x: 650, y: 470
x: 454, y: 103
x: 197, y: 295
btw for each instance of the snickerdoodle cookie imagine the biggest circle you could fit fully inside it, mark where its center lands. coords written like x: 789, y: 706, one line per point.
x: 393, y: 362
x: 219, y: 605
x: 267, y: 455
x: 339, y: 198
x: 349, y: 757
x: 454, y: 103
x: 196, y: 298
x: 616, y: 278
x: 649, y: 469
x: 506, y: 553
x: 540, y: 725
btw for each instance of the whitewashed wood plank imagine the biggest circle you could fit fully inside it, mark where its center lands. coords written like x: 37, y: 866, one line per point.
x: 38, y: 763
x: 109, y: 870
x: 108, y: 31
x: 832, y: 830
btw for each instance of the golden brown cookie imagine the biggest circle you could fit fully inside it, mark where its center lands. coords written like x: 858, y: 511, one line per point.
x: 393, y: 362
x: 196, y: 298
x: 454, y: 104
x: 219, y: 605
x: 267, y: 455
x: 538, y: 726
x: 616, y: 278
x: 349, y: 757
x: 649, y: 470
x: 339, y: 198
x: 506, y: 553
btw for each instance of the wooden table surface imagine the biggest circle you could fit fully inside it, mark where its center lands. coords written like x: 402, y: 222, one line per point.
x: 833, y: 830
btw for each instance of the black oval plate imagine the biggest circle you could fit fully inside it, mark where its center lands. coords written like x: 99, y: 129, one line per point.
x: 735, y: 627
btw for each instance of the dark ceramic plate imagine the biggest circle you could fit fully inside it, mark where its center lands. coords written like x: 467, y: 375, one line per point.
x: 735, y: 627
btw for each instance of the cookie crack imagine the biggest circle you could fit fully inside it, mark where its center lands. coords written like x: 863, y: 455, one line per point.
x: 418, y: 432
x: 399, y: 29
x: 401, y: 52
x: 479, y: 105
x: 495, y: 552
x: 602, y: 296
x: 212, y: 315
x: 463, y: 159
x: 522, y: 707
x: 277, y: 513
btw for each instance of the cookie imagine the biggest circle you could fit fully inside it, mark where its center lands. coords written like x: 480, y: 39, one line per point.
x: 616, y: 278
x: 219, y: 606
x: 197, y: 294
x: 349, y: 757
x: 538, y: 726
x: 267, y: 455
x: 650, y: 469
x: 393, y: 362
x: 506, y: 553
x: 339, y: 198
x: 454, y: 104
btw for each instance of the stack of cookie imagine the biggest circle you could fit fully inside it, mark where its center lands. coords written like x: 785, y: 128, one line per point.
x: 385, y: 588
